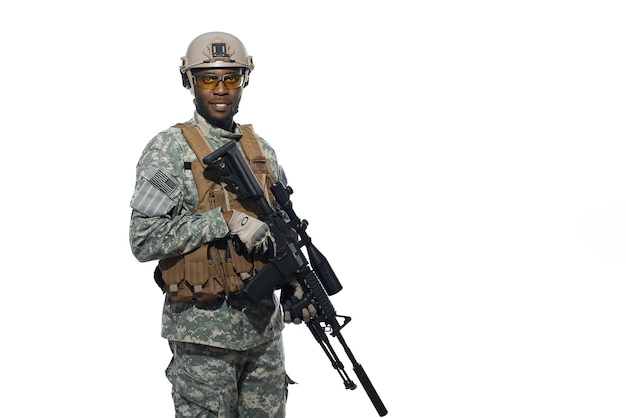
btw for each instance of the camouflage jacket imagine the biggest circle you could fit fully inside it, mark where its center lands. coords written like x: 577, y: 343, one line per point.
x: 167, y: 227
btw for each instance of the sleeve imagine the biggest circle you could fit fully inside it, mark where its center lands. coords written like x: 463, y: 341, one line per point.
x: 162, y: 223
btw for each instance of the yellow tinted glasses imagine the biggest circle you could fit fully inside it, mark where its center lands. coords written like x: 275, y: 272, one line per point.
x: 209, y: 81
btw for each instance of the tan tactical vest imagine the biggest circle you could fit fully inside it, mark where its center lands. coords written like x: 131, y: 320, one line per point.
x: 216, y: 270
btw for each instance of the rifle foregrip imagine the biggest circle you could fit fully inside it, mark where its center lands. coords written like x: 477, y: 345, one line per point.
x: 312, y: 282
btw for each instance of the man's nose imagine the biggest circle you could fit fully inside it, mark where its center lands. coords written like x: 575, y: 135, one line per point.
x: 220, y: 88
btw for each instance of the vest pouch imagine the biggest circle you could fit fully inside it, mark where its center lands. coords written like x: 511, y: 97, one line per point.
x: 234, y: 284
x: 202, y: 275
x: 192, y: 278
x: 173, y: 273
x: 234, y: 265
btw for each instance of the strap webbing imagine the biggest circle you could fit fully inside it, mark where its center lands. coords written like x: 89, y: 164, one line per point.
x: 195, y: 139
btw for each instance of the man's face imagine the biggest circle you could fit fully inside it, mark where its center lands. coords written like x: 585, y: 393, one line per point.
x: 219, y: 105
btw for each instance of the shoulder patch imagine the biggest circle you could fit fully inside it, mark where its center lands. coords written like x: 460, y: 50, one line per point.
x: 155, y: 194
x: 161, y: 181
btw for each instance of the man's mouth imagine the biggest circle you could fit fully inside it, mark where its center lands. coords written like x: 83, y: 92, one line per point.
x: 220, y: 106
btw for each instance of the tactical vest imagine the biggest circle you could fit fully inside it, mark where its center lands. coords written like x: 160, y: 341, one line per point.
x: 216, y: 270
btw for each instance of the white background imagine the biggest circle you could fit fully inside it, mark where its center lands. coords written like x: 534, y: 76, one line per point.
x: 461, y: 165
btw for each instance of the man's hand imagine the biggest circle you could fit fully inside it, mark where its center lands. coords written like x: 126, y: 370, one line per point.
x: 254, y: 234
x: 296, y: 305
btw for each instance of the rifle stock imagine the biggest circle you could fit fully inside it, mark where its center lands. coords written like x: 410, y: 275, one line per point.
x: 316, y: 278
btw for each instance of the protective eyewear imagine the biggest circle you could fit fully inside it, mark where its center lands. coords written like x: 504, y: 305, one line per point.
x: 210, y: 81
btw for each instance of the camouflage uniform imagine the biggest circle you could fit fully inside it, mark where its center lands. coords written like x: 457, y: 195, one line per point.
x: 228, y: 358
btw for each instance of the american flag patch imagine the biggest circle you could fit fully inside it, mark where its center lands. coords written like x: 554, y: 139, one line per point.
x: 155, y: 195
x: 162, y: 182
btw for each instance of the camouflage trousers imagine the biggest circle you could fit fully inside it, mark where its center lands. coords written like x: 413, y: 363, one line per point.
x: 210, y: 382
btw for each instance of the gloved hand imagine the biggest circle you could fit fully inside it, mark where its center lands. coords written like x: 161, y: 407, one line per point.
x: 253, y: 233
x: 296, y: 305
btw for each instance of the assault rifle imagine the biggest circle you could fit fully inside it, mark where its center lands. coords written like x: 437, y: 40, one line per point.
x: 317, y: 279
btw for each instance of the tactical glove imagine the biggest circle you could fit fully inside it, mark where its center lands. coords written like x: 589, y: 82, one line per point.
x: 254, y: 234
x: 297, y: 306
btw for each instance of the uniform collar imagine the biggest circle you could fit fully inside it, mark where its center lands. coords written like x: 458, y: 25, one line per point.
x: 213, y: 131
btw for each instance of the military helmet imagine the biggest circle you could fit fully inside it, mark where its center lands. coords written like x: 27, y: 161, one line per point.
x: 215, y: 50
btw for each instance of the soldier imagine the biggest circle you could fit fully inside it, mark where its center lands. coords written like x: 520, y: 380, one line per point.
x: 227, y: 352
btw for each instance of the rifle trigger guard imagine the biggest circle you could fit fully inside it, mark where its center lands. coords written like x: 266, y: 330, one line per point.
x: 346, y: 320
